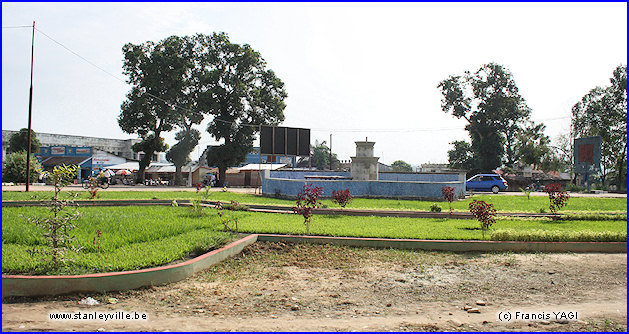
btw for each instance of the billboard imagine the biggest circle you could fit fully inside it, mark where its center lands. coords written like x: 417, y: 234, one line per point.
x: 587, y: 154
x: 276, y: 140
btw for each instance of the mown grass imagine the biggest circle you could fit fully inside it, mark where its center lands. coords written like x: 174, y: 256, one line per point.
x: 140, y: 237
x: 132, y: 238
x: 502, y: 203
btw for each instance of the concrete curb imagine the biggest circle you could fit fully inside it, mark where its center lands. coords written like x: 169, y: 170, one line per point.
x: 18, y: 285
x: 456, y: 245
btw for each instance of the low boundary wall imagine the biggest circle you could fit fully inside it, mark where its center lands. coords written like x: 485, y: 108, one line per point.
x: 427, y: 187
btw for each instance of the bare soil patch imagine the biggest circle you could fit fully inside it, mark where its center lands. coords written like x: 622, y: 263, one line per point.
x: 295, y: 287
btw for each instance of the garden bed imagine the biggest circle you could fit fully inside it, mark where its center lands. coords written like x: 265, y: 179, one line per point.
x: 141, y: 237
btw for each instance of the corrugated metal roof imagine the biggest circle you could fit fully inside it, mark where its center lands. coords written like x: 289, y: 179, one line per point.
x: 57, y: 161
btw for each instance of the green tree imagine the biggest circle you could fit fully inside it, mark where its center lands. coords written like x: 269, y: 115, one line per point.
x: 532, y: 145
x: 19, y: 141
x: 239, y: 92
x: 321, y: 157
x: 179, y: 154
x: 401, y: 166
x: 159, y: 75
x: 14, y: 168
x: 461, y: 156
x: 603, y: 112
x: 491, y: 104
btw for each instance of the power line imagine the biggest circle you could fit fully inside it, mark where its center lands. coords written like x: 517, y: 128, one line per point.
x: 78, y: 55
x: 121, y: 80
x: 247, y: 124
x: 15, y: 27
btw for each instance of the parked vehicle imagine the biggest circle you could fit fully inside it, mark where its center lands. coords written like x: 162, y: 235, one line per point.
x: 486, y: 182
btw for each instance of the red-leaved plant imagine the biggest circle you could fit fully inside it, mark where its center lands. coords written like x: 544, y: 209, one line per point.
x: 484, y: 213
x: 307, y: 201
x: 448, y: 195
x: 558, y: 198
x: 341, y: 197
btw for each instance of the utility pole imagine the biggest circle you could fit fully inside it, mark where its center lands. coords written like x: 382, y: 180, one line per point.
x: 330, y: 151
x: 30, y: 112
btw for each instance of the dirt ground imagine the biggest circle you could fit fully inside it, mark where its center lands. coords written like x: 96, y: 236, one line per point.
x: 294, y: 287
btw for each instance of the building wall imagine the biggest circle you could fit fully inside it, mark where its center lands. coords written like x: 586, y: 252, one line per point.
x: 121, y: 147
x: 429, y: 188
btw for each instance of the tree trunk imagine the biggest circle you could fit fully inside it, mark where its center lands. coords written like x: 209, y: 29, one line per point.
x: 178, y: 176
x: 146, y: 160
x: 221, y: 175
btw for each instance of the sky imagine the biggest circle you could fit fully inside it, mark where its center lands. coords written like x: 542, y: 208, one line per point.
x: 351, y: 70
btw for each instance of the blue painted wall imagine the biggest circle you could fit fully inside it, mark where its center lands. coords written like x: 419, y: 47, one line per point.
x: 289, y: 183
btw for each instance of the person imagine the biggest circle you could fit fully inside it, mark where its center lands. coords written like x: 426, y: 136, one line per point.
x: 213, y: 179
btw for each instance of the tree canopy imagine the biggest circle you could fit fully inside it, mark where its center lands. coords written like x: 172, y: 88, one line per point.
x: 603, y: 112
x: 180, y: 80
x: 179, y: 154
x: 401, y: 166
x: 159, y: 74
x: 19, y: 141
x: 490, y: 102
x: 461, y: 156
x: 239, y: 92
x: 14, y: 168
x: 321, y: 157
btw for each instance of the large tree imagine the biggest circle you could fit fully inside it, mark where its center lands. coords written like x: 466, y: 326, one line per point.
x: 19, y: 141
x: 239, y: 92
x: 401, y: 166
x: 321, y: 157
x: 490, y: 102
x: 603, y: 112
x: 531, y: 145
x: 159, y: 75
x: 461, y: 156
x: 179, y: 154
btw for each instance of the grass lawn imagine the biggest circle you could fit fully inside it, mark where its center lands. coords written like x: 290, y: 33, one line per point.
x: 140, y: 237
x: 132, y: 238
x: 502, y: 203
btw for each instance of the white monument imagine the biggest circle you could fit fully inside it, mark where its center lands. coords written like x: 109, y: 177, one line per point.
x: 364, y: 164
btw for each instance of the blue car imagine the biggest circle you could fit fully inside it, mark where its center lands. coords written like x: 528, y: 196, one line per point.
x: 486, y: 182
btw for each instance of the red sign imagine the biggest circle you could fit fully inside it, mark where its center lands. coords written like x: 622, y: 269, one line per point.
x: 586, y: 153
x: 58, y: 150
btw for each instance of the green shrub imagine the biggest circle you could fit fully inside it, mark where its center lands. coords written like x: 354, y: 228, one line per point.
x: 14, y: 168
x: 435, y: 208
x: 555, y: 235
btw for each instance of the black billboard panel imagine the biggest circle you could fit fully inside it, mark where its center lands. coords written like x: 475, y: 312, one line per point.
x: 266, y: 140
x: 284, y: 141
x: 291, y: 141
x: 303, y: 148
x: 279, y: 145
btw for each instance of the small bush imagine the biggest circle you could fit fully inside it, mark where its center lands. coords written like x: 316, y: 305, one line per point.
x: 229, y: 220
x: 235, y: 206
x: 484, y: 213
x: 448, y: 195
x: 558, y: 198
x: 341, y: 197
x: 435, y: 208
x: 558, y: 236
x: 307, y: 201
x: 527, y: 191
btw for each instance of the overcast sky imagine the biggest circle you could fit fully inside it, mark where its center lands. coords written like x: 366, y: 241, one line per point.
x: 353, y: 70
